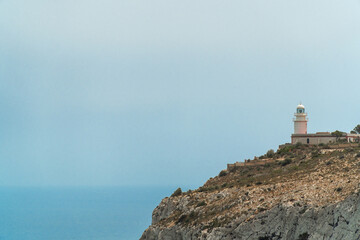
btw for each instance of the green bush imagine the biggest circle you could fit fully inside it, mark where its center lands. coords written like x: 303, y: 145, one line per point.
x: 357, y: 129
x: 285, y: 162
x: 302, y: 211
x: 267, y: 237
x: 267, y: 165
x: 339, y: 189
x: 270, y: 153
x: 285, y: 149
x: 304, y: 236
x: 200, y: 204
x: 223, y: 173
x: 182, y: 218
x: 348, y: 150
x: 315, y: 153
x: 177, y: 192
x: 187, y: 218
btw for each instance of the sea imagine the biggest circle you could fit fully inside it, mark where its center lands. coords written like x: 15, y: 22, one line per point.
x: 77, y: 213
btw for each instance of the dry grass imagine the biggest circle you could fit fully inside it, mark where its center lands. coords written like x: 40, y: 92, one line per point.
x: 312, y: 177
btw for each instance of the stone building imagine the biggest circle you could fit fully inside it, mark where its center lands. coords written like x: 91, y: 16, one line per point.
x: 302, y: 136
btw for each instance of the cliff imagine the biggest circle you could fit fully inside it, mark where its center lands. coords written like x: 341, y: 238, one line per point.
x: 301, y: 192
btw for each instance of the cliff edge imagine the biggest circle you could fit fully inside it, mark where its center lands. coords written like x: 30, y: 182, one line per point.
x: 300, y: 192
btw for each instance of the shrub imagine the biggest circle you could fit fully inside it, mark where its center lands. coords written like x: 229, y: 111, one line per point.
x: 285, y: 162
x: 223, y: 173
x: 272, y: 236
x: 329, y: 162
x: 200, y: 204
x: 357, y: 129
x: 244, y: 212
x: 182, y: 218
x: 177, y: 192
x: 304, y: 236
x: 215, y: 223
x: 265, y: 238
x: 302, y: 211
x: 315, y: 154
x: 233, y: 169
x: 338, y: 134
x: 187, y: 218
x: 347, y: 150
x: 286, y: 149
x: 261, y: 209
x: 267, y: 165
x: 339, y: 189
x: 270, y: 153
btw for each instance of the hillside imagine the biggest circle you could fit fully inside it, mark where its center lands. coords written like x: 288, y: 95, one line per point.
x: 299, y: 192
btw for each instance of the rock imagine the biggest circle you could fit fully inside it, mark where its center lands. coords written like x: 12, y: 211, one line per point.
x: 310, y: 201
x: 338, y: 221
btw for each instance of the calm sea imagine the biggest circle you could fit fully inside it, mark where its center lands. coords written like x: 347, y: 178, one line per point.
x: 77, y: 213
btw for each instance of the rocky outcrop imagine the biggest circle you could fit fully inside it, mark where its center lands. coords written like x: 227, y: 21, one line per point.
x: 337, y: 221
x: 316, y: 195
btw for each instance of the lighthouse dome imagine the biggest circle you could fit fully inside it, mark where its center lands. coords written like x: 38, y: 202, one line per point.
x: 300, y: 106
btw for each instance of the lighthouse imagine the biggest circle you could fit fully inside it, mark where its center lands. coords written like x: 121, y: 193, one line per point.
x: 300, y: 120
x: 301, y: 136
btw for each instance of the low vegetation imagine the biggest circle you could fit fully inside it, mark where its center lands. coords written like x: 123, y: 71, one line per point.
x: 285, y: 176
x: 177, y: 192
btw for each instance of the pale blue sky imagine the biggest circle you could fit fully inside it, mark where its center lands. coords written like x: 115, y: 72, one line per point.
x: 166, y: 92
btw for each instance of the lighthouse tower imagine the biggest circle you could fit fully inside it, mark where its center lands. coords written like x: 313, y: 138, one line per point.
x: 300, y: 120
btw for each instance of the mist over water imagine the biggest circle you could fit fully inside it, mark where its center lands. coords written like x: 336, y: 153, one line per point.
x: 77, y: 213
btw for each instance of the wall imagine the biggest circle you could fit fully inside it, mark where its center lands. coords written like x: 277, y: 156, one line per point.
x: 313, y: 139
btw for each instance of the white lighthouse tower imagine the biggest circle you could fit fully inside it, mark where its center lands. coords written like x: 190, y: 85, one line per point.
x: 300, y: 120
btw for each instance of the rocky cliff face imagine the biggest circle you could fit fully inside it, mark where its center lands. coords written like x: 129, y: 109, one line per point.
x: 305, y: 192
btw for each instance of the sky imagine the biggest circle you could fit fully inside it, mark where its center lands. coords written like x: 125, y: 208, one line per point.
x: 127, y: 93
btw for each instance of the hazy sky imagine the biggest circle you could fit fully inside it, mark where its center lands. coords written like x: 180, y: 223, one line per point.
x: 166, y: 92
